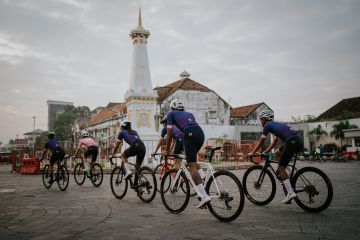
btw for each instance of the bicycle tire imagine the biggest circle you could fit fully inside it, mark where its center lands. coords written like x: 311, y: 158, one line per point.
x: 46, y: 177
x: 97, y: 175
x: 168, y: 197
x: 252, y: 188
x: 227, y: 197
x: 146, y: 190
x: 116, y: 181
x: 79, y: 173
x: 159, y: 174
x: 62, y: 178
x: 302, y: 184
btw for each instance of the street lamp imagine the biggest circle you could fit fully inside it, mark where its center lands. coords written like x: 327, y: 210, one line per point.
x: 34, y: 137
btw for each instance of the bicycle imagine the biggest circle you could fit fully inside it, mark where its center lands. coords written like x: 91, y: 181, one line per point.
x: 61, y: 176
x: 95, y: 174
x: 145, y: 188
x: 164, y: 166
x: 260, y: 187
x: 225, y: 205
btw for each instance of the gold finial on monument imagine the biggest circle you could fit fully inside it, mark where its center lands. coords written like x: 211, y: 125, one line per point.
x: 140, y: 22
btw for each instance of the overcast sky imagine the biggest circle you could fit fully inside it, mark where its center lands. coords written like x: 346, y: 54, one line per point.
x: 299, y: 57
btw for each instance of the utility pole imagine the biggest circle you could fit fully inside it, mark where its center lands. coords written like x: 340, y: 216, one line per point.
x: 34, y: 137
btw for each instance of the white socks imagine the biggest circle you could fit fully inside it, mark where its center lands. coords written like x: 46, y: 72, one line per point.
x: 201, y: 173
x: 288, y: 186
x: 127, y: 168
x: 202, y: 190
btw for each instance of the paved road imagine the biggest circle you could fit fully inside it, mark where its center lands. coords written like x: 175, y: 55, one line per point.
x: 29, y: 211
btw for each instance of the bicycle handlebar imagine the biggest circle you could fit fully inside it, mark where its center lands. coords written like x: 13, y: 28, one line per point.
x: 263, y: 156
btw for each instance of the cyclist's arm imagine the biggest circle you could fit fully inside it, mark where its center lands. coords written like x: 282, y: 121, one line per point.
x: 43, y: 154
x: 77, y: 149
x: 272, y: 145
x: 168, y: 138
x: 118, y: 143
x: 258, y: 145
x: 158, y: 145
x: 173, y: 143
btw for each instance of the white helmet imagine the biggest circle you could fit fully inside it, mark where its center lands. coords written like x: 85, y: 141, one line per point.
x: 176, y: 104
x: 84, y: 133
x: 267, y: 114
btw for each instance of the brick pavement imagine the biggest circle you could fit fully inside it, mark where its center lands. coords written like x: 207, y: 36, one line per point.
x: 29, y: 211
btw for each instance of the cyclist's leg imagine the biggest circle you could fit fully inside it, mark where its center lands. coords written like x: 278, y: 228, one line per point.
x: 179, y: 147
x: 141, y: 151
x: 193, y: 140
x: 94, y: 154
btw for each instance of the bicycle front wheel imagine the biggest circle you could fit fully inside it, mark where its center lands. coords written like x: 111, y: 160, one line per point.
x: 159, y: 174
x: 63, y: 178
x: 97, y: 174
x: 79, y: 174
x: 176, y: 198
x: 313, y: 189
x: 146, y: 190
x: 117, y: 182
x: 259, y: 185
x: 227, y: 196
x: 46, y: 176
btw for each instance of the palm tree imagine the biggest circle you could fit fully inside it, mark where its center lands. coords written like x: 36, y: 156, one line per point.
x: 317, y: 132
x: 337, y: 131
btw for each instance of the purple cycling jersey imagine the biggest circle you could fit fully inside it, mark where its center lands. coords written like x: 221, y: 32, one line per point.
x: 180, y: 119
x: 129, y: 137
x: 176, y: 132
x: 280, y: 130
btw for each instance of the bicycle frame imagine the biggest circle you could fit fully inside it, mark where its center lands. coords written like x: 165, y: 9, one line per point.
x: 209, y: 174
x: 267, y: 165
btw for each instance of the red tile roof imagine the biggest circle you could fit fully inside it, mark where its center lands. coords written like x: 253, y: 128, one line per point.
x: 108, y: 113
x: 243, y: 112
x: 185, y: 84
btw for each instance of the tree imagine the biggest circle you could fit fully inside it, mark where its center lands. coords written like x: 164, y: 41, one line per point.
x: 65, y: 121
x: 317, y: 132
x: 41, y: 140
x: 337, y: 131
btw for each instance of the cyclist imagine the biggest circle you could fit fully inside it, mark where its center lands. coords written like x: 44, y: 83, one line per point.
x: 137, y: 148
x: 177, y: 143
x: 292, y: 145
x: 57, y: 155
x: 193, y: 141
x: 91, y: 147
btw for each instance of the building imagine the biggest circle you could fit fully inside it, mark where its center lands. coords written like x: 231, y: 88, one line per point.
x: 31, y: 136
x: 345, y: 109
x: 54, y: 109
x: 206, y: 105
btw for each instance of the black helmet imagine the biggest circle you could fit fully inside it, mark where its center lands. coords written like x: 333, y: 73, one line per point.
x: 51, y: 135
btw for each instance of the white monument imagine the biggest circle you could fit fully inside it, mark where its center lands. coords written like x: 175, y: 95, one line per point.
x: 140, y: 98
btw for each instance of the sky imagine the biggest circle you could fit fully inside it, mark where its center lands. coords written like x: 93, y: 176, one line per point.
x: 299, y: 57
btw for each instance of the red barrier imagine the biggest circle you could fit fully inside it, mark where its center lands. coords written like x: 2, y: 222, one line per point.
x: 30, y: 166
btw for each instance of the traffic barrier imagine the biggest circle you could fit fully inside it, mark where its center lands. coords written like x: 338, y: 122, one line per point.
x: 30, y: 166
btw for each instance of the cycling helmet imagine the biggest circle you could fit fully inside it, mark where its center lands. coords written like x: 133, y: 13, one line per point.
x: 164, y: 119
x: 84, y: 133
x: 267, y: 114
x: 125, y: 124
x: 51, y: 135
x: 177, y: 104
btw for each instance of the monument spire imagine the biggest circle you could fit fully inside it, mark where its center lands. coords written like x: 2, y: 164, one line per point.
x: 139, y: 22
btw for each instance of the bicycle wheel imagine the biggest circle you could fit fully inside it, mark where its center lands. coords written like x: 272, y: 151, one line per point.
x: 62, y: 178
x: 79, y: 174
x: 159, y: 174
x: 227, y: 196
x: 175, y: 200
x: 146, y: 190
x: 117, y: 182
x: 46, y: 176
x: 96, y: 174
x: 313, y: 189
x: 259, y: 185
